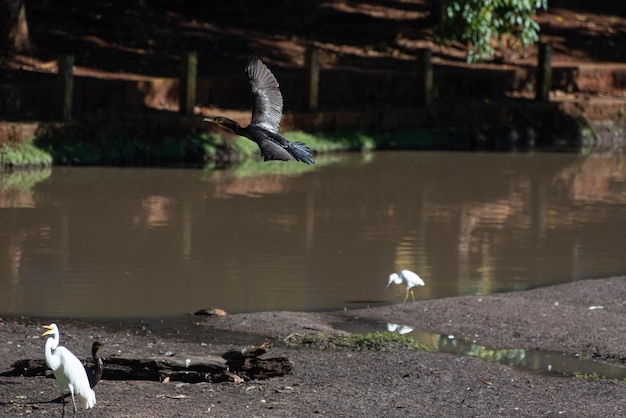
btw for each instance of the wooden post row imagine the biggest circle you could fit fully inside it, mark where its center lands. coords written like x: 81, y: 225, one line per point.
x: 425, y: 77
x: 544, y: 73
x: 65, y: 85
x: 312, y: 64
x: 188, y: 83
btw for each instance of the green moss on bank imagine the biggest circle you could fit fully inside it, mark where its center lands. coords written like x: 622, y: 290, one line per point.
x: 81, y: 146
x: 23, y: 154
x: 377, y: 341
x: 325, y: 142
x: 106, y: 149
x: 216, y: 150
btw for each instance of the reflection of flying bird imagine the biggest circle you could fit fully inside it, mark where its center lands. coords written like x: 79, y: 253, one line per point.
x: 68, y: 370
x: 94, y: 373
x: 409, y: 278
x: 267, y: 111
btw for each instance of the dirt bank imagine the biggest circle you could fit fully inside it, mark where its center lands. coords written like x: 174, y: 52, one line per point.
x: 396, y: 382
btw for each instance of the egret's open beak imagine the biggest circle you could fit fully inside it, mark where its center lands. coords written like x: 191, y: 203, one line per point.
x: 49, y: 328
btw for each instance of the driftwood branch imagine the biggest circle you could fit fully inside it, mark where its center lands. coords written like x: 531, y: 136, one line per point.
x: 235, y: 365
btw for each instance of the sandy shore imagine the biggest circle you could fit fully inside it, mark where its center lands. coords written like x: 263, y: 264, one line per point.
x: 587, y: 318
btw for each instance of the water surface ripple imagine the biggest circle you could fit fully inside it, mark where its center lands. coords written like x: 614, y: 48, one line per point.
x: 147, y: 242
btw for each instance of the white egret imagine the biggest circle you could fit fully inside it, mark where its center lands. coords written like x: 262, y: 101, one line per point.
x: 68, y: 370
x: 406, y: 276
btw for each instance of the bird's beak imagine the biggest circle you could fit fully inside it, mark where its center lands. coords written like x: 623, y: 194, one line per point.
x: 209, y: 119
x: 387, y: 287
x: 49, y: 330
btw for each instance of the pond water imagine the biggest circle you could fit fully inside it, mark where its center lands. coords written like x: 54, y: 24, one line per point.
x: 95, y: 242
x: 557, y: 363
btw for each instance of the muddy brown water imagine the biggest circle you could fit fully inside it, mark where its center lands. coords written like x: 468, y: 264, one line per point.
x: 92, y: 242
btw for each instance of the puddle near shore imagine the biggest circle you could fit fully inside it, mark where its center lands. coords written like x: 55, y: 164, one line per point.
x: 550, y: 362
x: 539, y: 360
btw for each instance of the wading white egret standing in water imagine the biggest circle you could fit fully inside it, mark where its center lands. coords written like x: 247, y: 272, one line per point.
x: 68, y: 370
x: 409, y: 278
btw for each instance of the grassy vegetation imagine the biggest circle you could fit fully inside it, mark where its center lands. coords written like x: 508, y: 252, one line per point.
x: 107, y: 149
x: 23, y: 154
x: 593, y: 376
x: 377, y: 341
x: 324, y: 142
x: 83, y: 147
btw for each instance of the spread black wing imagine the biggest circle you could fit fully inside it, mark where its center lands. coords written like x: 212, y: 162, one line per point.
x: 267, y: 109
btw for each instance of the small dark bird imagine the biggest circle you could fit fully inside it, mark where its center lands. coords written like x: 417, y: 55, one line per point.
x: 94, y: 373
x: 267, y: 111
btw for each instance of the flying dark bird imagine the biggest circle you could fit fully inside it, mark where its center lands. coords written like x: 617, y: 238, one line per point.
x: 267, y: 111
x: 94, y: 373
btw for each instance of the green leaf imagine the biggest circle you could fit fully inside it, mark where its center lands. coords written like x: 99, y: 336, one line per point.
x: 478, y: 22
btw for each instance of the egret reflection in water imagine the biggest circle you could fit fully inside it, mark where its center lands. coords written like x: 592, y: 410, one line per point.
x: 399, y: 329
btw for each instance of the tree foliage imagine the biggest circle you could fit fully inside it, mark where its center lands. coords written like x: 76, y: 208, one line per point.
x: 479, y: 22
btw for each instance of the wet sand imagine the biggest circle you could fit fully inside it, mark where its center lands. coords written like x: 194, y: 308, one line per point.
x: 392, y: 382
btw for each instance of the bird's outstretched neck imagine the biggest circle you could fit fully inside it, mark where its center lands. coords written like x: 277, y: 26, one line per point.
x: 225, y: 123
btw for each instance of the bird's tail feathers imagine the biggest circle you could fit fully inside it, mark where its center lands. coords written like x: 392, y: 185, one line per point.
x: 88, y: 398
x: 301, y: 152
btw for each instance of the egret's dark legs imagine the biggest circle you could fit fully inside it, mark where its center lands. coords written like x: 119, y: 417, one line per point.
x: 63, y: 400
x: 73, y: 401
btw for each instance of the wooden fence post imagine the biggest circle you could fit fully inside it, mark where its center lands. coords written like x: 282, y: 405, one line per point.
x: 543, y: 83
x: 312, y: 64
x: 187, y: 84
x: 65, y: 85
x: 425, y: 77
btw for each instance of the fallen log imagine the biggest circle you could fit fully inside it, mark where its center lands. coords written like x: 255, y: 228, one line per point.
x: 234, y: 365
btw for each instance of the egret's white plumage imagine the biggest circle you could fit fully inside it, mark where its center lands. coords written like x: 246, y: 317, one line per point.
x: 67, y: 369
x: 409, y: 278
